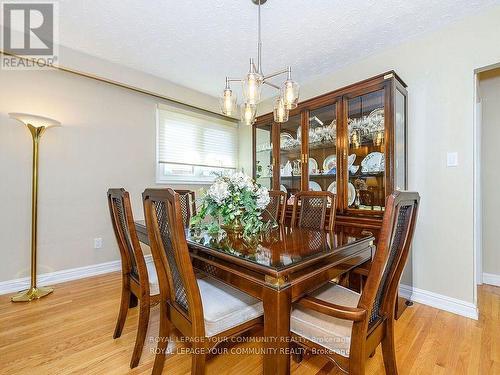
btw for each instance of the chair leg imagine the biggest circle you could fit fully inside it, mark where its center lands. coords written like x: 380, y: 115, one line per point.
x: 297, y: 352
x: 198, y: 359
x: 122, y: 314
x: 389, y: 349
x: 163, y: 338
x: 142, y: 329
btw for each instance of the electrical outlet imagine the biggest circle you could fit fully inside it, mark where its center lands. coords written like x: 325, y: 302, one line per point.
x: 98, y: 243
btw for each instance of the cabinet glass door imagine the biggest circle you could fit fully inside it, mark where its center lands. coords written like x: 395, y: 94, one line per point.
x: 290, y: 155
x: 400, y: 140
x: 264, y: 155
x: 366, y: 152
x: 323, y: 149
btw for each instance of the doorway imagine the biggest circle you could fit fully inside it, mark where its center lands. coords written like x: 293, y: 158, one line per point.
x: 487, y: 176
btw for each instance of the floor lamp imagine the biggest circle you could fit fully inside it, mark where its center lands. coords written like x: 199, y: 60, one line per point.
x: 37, y: 126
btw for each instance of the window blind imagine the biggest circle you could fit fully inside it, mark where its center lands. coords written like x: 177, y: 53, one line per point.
x: 193, y: 139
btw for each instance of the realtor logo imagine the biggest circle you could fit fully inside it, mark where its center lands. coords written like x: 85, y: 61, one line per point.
x: 29, y: 31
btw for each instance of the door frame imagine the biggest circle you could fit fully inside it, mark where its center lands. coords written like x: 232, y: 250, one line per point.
x: 477, y: 184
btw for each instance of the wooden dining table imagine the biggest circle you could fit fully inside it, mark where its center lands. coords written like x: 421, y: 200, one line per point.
x: 278, y: 268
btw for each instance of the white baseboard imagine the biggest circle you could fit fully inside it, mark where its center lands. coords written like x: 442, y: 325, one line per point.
x: 491, y: 279
x: 439, y: 301
x: 57, y: 277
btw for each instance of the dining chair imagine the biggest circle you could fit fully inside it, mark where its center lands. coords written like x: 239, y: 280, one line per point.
x: 347, y: 326
x: 276, y: 208
x: 310, y: 210
x: 188, y: 205
x: 139, y: 280
x: 202, y: 308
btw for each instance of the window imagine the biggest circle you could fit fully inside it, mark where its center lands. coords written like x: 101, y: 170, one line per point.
x: 192, y: 146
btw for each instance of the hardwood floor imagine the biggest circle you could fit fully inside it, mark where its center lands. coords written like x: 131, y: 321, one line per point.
x: 70, y: 332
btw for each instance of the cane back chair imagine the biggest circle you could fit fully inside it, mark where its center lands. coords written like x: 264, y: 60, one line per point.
x: 276, y: 208
x: 347, y: 326
x: 202, y: 308
x: 310, y: 209
x: 139, y: 280
x: 187, y: 199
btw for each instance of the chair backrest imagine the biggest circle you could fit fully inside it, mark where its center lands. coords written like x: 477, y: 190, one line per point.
x: 188, y: 205
x: 131, y: 254
x: 275, y: 210
x: 310, y: 209
x: 176, y: 277
x: 379, y: 294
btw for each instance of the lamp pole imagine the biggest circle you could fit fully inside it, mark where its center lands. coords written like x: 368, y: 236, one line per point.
x: 34, y: 292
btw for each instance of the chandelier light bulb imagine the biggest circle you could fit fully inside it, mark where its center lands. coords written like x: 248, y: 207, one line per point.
x: 290, y: 93
x: 378, y: 138
x: 252, y: 87
x: 248, y: 112
x: 228, y: 102
x: 356, y: 139
x: 280, y: 111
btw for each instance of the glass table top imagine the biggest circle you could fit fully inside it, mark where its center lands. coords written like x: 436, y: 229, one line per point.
x: 279, y: 248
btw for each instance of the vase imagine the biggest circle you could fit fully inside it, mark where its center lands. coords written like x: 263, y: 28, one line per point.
x: 233, y: 229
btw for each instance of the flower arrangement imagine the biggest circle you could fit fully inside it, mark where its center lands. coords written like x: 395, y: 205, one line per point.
x: 237, y: 204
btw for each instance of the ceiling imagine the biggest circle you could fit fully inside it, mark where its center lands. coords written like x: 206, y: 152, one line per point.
x: 197, y: 43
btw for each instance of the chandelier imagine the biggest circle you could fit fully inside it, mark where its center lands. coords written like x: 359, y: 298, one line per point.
x: 288, y: 92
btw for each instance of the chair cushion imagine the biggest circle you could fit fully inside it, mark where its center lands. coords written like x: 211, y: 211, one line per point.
x: 154, y: 287
x: 225, y: 307
x: 331, y: 333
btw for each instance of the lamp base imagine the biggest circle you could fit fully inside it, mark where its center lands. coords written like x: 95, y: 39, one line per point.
x: 31, y: 294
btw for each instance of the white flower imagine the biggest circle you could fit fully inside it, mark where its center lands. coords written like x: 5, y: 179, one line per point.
x: 262, y: 198
x: 241, y: 181
x: 219, y: 191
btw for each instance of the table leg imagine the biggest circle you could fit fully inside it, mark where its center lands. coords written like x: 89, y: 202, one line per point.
x: 277, y: 308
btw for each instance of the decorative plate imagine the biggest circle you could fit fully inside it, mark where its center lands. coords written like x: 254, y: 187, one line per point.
x: 330, y: 163
x: 351, y: 159
x: 351, y: 191
x: 314, y: 186
x: 353, y: 169
x: 373, y: 163
x: 313, y: 165
x: 332, y: 188
x: 351, y: 194
x: 283, y: 189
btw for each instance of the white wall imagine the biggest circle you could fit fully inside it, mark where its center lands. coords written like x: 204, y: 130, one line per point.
x: 489, y: 88
x: 107, y: 140
x: 439, y: 70
x: 245, y: 148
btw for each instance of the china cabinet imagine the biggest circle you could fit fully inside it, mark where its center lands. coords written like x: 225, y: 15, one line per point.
x: 351, y: 141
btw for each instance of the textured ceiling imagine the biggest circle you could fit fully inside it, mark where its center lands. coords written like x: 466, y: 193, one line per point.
x: 197, y: 43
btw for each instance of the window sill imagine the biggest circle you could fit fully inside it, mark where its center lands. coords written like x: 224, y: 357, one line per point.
x: 183, y: 182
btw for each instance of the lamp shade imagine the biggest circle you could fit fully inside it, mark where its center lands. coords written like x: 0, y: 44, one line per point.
x: 33, y: 120
x: 228, y: 102
x: 290, y: 94
x: 248, y: 112
x: 280, y: 111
